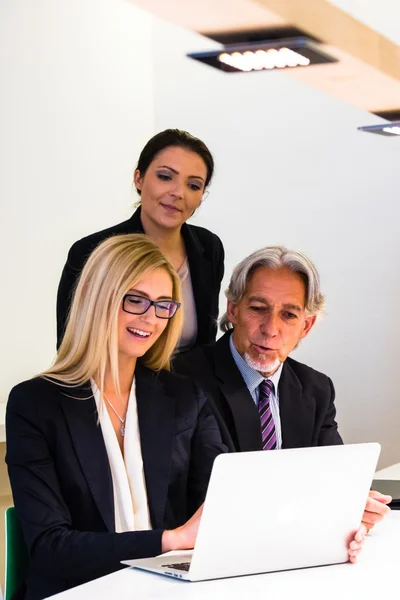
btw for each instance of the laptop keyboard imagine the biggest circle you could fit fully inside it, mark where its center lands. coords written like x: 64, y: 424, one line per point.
x: 180, y: 566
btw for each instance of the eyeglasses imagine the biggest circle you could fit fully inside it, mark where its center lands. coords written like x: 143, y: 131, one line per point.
x: 138, y: 305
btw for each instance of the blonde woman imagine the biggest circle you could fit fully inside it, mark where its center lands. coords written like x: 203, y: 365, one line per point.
x: 109, y: 454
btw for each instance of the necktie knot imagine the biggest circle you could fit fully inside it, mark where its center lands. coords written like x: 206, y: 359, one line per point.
x: 266, y: 387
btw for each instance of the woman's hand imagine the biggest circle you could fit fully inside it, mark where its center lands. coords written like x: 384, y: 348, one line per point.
x: 183, y: 537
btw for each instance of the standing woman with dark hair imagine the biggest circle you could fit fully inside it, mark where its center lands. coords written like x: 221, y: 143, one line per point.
x: 172, y: 174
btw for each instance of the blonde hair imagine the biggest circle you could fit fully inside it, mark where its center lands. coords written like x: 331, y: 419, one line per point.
x: 90, y: 342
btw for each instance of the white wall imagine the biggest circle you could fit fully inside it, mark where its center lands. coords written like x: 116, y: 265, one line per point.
x: 76, y: 107
x: 293, y: 169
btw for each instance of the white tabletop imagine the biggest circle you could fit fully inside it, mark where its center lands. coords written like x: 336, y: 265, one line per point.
x: 374, y: 574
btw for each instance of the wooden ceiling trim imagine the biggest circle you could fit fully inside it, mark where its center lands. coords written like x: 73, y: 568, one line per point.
x: 337, y: 28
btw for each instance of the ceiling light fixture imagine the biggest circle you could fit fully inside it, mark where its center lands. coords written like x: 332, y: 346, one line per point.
x: 388, y: 129
x: 264, y: 59
x: 265, y: 56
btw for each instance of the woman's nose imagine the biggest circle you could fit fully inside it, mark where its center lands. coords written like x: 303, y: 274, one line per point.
x: 178, y: 189
x: 150, y: 315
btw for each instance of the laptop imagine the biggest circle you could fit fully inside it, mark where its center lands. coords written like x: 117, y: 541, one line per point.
x: 276, y: 510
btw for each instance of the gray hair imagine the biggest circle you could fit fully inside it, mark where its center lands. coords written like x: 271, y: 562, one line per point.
x: 275, y: 257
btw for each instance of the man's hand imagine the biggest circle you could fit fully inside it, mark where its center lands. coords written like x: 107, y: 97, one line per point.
x: 357, y: 544
x: 375, y: 509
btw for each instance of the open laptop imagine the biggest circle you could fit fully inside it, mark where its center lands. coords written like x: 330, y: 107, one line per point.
x: 276, y: 510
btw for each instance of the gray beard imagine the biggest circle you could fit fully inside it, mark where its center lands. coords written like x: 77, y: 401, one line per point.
x: 262, y: 366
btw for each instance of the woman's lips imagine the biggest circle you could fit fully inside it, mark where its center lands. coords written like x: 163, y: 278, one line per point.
x: 171, y: 208
x: 140, y: 338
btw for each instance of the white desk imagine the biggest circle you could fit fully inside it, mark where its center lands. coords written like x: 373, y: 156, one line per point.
x: 376, y: 573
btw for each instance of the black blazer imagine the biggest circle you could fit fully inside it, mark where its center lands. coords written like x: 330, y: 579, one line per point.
x: 306, y: 399
x: 61, y: 479
x: 206, y: 261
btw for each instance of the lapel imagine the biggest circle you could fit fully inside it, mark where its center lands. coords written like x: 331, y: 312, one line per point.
x: 135, y: 224
x: 156, y: 415
x: 297, y: 410
x: 237, y: 396
x: 202, y: 280
x: 81, y: 415
x: 200, y: 267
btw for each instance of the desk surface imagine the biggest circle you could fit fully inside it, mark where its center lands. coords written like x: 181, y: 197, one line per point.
x: 375, y: 573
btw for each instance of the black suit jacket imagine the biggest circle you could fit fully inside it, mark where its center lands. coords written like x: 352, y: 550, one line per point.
x: 306, y: 399
x: 61, y: 479
x: 206, y: 261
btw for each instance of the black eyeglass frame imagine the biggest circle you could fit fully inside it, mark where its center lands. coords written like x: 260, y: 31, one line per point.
x: 155, y: 303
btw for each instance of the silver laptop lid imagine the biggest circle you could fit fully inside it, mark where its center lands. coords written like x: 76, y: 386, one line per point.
x: 282, y: 509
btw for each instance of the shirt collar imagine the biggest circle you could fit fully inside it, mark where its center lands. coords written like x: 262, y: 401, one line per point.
x: 252, y: 378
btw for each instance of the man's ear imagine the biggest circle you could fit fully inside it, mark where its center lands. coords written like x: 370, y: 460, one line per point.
x: 137, y: 179
x: 308, y: 325
x: 231, y: 311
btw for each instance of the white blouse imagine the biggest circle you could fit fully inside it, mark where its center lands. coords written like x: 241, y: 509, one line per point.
x: 189, y: 330
x: 129, y: 486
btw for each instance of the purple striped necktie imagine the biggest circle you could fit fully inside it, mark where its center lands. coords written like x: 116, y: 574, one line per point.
x: 268, y: 431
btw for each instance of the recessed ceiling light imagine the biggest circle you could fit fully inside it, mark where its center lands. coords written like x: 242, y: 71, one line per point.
x: 388, y: 129
x: 265, y: 56
x: 393, y: 130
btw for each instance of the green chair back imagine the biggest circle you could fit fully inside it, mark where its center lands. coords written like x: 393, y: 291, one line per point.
x: 17, y: 555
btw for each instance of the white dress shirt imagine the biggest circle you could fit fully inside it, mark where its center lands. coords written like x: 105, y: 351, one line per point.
x: 129, y: 486
x: 253, y: 379
x: 189, y: 328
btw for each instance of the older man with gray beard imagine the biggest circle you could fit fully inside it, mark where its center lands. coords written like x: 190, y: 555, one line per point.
x: 262, y: 398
